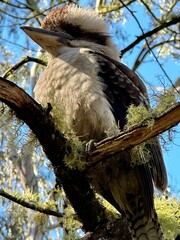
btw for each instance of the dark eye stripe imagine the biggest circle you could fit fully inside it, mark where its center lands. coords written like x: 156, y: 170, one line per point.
x: 77, y: 32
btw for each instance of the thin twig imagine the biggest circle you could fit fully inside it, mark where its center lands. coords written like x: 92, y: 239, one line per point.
x: 149, y: 10
x: 16, y: 44
x: 16, y: 6
x: 31, y: 205
x: 146, y: 50
x: 111, y: 8
x: 149, y: 33
x: 22, y: 62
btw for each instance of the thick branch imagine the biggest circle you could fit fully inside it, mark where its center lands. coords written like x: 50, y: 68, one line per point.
x: 32, y: 206
x: 137, y: 135
x: 150, y: 33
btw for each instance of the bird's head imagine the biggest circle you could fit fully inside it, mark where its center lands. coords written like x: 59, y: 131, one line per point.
x: 72, y: 26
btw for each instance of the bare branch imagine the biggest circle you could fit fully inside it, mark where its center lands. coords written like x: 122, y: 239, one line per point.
x: 31, y: 17
x: 150, y: 33
x: 16, y: 44
x: 144, y: 51
x: 16, y: 6
x: 30, y: 205
x: 149, y: 10
x: 22, y: 62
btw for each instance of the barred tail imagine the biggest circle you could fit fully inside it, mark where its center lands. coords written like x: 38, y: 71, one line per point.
x: 145, y: 228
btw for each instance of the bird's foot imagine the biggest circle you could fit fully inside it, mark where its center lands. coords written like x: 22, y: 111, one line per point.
x: 90, y: 146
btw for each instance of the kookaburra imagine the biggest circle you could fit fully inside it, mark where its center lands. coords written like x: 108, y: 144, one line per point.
x: 85, y: 78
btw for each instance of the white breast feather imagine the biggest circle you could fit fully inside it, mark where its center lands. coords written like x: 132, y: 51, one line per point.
x: 70, y: 81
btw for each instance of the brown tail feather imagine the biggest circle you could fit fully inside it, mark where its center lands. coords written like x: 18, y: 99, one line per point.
x: 145, y: 228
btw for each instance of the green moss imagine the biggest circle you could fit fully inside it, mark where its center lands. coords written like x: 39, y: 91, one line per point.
x: 74, y: 159
x: 27, y: 196
x: 30, y: 197
x: 110, y: 211
x: 137, y: 115
x: 168, y: 211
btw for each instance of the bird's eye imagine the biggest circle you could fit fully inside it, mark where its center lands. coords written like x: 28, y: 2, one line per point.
x: 72, y: 30
x: 101, y: 40
x: 75, y: 32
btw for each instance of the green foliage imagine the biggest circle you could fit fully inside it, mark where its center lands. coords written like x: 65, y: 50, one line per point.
x: 169, y: 215
x: 70, y: 223
x: 16, y: 220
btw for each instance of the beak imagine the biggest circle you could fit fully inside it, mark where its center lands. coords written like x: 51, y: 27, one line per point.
x: 47, y: 39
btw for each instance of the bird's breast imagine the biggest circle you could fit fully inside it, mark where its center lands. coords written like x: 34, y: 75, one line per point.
x: 71, y: 84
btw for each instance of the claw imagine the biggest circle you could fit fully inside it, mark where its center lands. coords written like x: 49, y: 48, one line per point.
x: 90, y: 146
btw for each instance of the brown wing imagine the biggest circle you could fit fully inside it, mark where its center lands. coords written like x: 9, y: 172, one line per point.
x: 123, y: 87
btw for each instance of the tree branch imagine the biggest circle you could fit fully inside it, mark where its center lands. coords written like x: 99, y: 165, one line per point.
x: 22, y: 62
x: 145, y: 50
x: 137, y: 135
x: 32, y: 206
x: 150, y: 33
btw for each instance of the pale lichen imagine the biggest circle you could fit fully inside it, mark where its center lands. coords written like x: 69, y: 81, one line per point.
x: 41, y: 221
x: 137, y: 115
x: 140, y: 155
x: 165, y: 101
x: 75, y: 149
